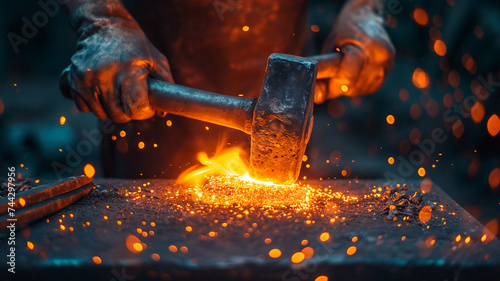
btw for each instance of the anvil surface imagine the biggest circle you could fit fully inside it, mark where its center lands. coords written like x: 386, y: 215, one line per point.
x: 229, y: 242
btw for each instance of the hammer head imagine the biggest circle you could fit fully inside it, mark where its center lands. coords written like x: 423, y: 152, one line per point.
x: 282, y: 119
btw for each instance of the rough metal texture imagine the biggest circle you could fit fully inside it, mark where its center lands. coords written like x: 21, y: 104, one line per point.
x: 282, y: 120
x: 228, y: 242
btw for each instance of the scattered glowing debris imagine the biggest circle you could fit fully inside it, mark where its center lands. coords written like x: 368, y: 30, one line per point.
x: 275, y: 253
x: 155, y: 257
x: 172, y: 248
x: 420, y: 16
x: 420, y: 79
x: 308, y: 252
x: 493, y: 125
x: 421, y: 172
x: 22, y: 202
x: 458, y: 238
x: 467, y: 240
x: 324, y: 236
x: 297, y: 257
x: 351, y: 250
x: 440, y: 48
x: 133, y: 244
x: 89, y: 170
x: 390, y: 119
x: 494, y: 178
x: 96, y: 260
x: 140, y: 145
x: 426, y: 185
x: 390, y: 160
x: 477, y: 112
x: 425, y: 214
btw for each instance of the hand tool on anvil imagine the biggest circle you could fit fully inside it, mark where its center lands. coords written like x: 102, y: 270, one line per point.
x: 43, y: 200
x: 280, y: 121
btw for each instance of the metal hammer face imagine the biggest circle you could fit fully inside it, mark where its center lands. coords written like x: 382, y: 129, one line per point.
x: 282, y: 119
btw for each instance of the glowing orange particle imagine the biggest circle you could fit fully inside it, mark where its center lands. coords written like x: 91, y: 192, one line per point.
x: 421, y: 172
x: 321, y: 278
x: 467, y: 240
x: 172, y: 248
x: 89, y: 170
x: 390, y: 160
x: 477, y: 112
x: 425, y: 214
x: 351, y: 250
x: 155, y: 257
x: 315, y: 28
x: 344, y: 88
x: 22, y: 202
x: 420, y: 79
x: 483, y: 238
x: 297, y: 257
x: 62, y: 120
x: 308, y: 252
x: 493, y: 125
x: 184, y: 249
x: 123, y: 134
x: 189, y: 228
x: 304, y: 242
x: 246, y: 28
x: 494, y: 178
x: 420, y: 16
x: 141, y: 145
x: 426, y: 185
x: 440, y: 48
x: 324, y: 236
x: 354, y: 239
x: 390, y: 119
x: 458, y: 238
x: 133, y: 244
x: 268, y: 241
x: 275, y: 253
x: 96, y: 260
x: 169, y: 123
x: 30, y: 245
x: 138, y: 247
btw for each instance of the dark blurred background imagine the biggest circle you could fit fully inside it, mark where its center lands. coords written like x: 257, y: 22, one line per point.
x: 446, y: 77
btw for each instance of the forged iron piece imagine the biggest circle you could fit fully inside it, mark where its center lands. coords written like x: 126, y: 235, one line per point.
x: 279, y: 122
x: 46, y: 199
